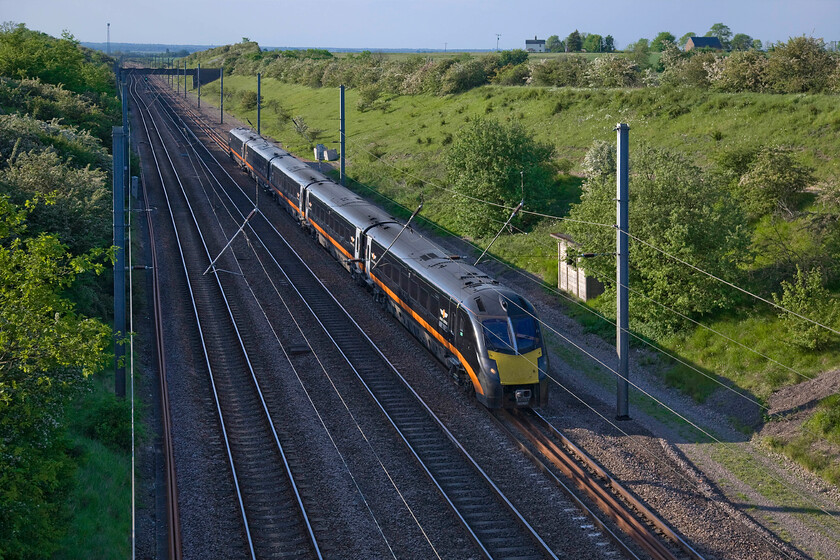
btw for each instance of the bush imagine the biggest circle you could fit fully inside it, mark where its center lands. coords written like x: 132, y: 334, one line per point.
x: 484, y: 163
x: 802, y: 65
x: 108, y: 420
x: 612, y: 71
x: 463, y: 76
x: 807, y: 296
x: 512, y: 75
x: 738, y: 72
x: 773, y: 182
x: 560, y: 72
x: 248, y: 100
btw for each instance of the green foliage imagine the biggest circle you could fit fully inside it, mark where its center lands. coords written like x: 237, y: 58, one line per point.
x: 94, y: 112
x: 773, y: 182
x: 484, y: 163
x: 612, y: 71
x: 609, y: 44
x: 722, y: 32
x: 107, y: 419
x: 512, y: 75
x: 512, y: 57
x: 593, y: 43
x: 46, y: 350
x: 662, y: 41
x: 463, y: 76
x: 30, y: 54
x: 675, y: 208
x: 561, y: 71
x: 745, y: 70
x: 807, y: 296
x: 801, y: 65
x: 741, y: 42
x: 826, y: 419
x: 73, y: 204
x: 574, y: 43
x: 248, y: 100
x: 554, y: 44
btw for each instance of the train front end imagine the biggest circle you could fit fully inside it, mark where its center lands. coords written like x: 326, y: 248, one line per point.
x: 512, y: 352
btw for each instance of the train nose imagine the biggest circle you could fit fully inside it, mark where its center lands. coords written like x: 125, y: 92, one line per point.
x: 523, y: 397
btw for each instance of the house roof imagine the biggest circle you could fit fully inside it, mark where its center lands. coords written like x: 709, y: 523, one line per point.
x: 534, y: 41
x: 706, y: 42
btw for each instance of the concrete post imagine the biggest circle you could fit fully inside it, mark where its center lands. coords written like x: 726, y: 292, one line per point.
x: 622, y: 274
x: 259, y: 104
x: 222, y: 95
x: 341, y: 132
x: 118, y: 136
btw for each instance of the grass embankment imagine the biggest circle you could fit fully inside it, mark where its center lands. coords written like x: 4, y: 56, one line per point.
x: 395, y: 149
x: 99, y: 506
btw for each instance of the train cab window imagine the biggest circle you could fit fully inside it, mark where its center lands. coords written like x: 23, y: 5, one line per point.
x: 527, y: 333
x: 497, y: 335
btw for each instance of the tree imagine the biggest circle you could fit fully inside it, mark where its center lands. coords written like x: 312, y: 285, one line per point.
x: 484, y: 164
x: 741, y: 42
x: 573, y: 42
x: 593, y: 43
x: 641, y: 53
x: 662, y: 41
x: 673, y: 207
x: 756, y: 45
x: 684, y: 39
x: 554, y: 44
x: 609, y: 44
x: 45, y: 351
x: 723, y: 33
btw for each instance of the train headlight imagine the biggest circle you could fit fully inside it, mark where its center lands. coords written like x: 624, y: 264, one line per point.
x: 493, y: 367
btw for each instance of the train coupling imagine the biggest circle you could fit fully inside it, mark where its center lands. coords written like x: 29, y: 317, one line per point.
x: 523, y: 397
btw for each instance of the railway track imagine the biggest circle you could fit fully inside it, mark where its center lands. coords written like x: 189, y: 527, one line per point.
x: 498, y: 531
x: 616, y: 502
x: 274, y: 519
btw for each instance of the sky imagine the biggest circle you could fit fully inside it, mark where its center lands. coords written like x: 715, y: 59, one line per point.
x: 415, y: 24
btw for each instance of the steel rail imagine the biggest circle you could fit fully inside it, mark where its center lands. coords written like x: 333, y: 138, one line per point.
x: 173, y: 515
x: 575, y: 452
x: 287, y: 468
x: 270, y: 420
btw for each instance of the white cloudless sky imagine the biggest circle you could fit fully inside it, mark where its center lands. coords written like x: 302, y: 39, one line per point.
x: 415, y: 24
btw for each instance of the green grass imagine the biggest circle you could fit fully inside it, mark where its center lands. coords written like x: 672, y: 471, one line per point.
x: 99, y: 507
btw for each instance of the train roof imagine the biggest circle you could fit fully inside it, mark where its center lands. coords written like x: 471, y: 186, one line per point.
x: 245, y: 134
x: 298, y: 171
x: 266, y: 149
x: 450, y: 273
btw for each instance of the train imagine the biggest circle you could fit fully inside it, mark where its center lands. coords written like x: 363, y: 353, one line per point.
x: 486, y: 335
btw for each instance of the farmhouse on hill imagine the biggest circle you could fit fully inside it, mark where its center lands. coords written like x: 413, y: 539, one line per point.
x: 535, y: 45
x: 703, y: 43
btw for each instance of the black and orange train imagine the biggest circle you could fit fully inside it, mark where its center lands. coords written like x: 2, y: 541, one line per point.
x: 485, y: 333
